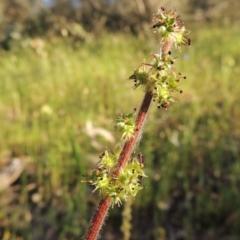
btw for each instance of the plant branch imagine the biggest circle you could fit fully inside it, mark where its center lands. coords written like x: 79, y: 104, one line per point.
x: 116, y: 177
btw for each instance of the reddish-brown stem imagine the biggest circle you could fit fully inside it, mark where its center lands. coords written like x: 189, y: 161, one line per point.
x: 125, y: 154
x: 167, y: 46
x: 98, y: 219
x: 127, y: 149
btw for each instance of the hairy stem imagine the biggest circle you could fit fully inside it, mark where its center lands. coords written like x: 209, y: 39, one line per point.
x: 167, y: 46
x: 98, y: 219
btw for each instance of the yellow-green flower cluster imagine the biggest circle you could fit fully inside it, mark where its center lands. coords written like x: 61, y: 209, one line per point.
x: 128, y: 183
x: 159, y: 77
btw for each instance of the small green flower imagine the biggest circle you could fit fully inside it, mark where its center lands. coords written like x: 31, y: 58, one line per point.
x: 125, y: 125
x: 140, y: 77
x: 181, y: 37
x: 102, y: 183
x: 107, y: 161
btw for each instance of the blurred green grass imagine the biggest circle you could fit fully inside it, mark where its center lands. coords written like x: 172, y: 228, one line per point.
x: 191, y: 150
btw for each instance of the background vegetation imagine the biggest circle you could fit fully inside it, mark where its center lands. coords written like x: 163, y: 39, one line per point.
x: 63, y: 79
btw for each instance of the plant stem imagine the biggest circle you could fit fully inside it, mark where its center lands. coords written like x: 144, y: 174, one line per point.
x: 101, y: 213
x: 128, y: 147
x: 98, y: 219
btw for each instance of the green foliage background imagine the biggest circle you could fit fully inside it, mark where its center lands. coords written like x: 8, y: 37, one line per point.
x: 51, y: 89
